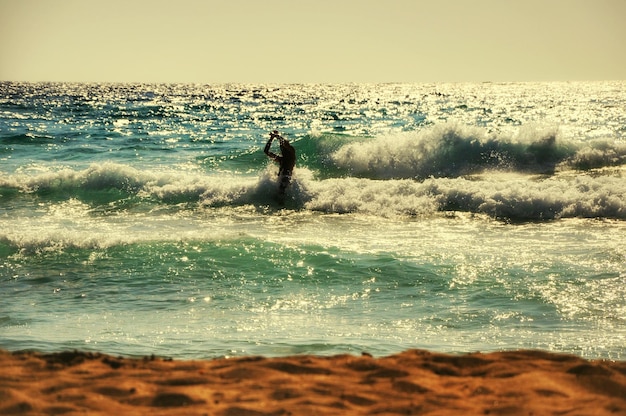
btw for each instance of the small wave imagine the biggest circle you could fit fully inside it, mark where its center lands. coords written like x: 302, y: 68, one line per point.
x: 518, y: 198
x: 27, y: 139
x: 56, y: 241
x: 504, y: 196
x: 597, y: 154
x: 453, y: 150
x: 62, y: 182
x: 599, y: 193
x: 112, y: 182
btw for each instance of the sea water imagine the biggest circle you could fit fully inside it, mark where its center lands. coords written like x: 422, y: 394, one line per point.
x: 144, y: 219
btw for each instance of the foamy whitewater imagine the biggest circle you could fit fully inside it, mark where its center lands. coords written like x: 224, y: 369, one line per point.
x: 144, y: 219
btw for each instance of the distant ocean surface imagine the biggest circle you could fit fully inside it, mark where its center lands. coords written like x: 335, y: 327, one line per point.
x: 142, y: 219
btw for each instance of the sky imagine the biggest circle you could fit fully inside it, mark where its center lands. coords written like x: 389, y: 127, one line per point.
x: 312, y: 41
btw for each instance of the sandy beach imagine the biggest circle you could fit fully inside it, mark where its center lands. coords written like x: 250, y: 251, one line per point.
x: 413, y: 382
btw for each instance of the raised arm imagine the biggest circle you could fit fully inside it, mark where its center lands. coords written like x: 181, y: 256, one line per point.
x: 268, y: 145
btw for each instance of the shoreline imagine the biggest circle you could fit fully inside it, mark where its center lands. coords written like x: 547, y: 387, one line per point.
x: 412, y: 382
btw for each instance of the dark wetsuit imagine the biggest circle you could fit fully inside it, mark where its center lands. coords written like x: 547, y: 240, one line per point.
x: 287, y: 161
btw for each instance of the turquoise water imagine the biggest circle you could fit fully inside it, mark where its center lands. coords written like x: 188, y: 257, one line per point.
x: 143, y: 219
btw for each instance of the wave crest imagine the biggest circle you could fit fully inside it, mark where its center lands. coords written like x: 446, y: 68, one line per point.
x: 453, y: 150
x: 109, y: 187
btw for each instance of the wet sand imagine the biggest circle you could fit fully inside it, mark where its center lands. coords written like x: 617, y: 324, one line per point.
x: 414, y: 382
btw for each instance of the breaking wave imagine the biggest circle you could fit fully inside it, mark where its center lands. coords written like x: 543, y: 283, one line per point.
x: 512, y: 196
x: 453, y: 150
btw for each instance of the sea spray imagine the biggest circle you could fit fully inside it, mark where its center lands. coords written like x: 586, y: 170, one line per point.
x: 452, y: 150
x: 504, y: 195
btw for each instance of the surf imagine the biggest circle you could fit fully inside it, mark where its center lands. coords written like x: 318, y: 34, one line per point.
x: 112, y: 187
x: 454, y: 150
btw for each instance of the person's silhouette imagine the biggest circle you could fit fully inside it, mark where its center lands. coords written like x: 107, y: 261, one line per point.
x: 286, y: 160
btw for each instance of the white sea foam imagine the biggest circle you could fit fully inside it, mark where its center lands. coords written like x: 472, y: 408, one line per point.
x: 501, y: 195
x: 453, y: 149
x: 504, y: 196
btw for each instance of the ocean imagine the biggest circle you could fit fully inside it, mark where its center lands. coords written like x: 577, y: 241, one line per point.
x: 140, y: 219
